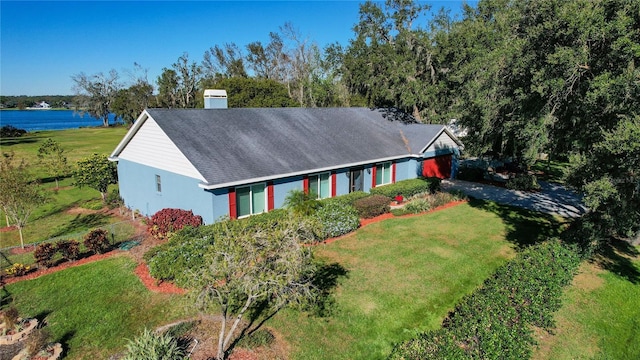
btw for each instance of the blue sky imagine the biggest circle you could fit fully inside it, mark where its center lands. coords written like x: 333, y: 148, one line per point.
x: 42, y: 44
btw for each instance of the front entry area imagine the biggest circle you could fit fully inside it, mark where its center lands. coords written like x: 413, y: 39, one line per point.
x: 356, y: 179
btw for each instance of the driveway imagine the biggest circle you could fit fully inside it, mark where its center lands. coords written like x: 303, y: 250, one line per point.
x: 551, y: 199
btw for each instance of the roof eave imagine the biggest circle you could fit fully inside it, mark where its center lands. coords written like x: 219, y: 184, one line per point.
x: 304, y: 172
x: 130, y: 134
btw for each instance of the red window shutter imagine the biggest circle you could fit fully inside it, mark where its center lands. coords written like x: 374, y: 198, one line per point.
x: 270, y: 201
x: 305, y: 184
x: 233, y: 213
x: 393, y: 172
x: 333, y: 184
x: 373, y: 177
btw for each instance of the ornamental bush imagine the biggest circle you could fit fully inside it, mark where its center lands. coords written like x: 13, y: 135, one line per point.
x: 496, y: 320
x: 18, y: 269
x: 153, y: 346
x: 372, y: 206
x: 166, y: 222
x: 184, y: 253
x: 44, y: 254
x: 347, y: 199
x: 69, y: 249
x: 97, y: 241
x: 408, y: 188
x: 337, y: 219
x: 417, y: 206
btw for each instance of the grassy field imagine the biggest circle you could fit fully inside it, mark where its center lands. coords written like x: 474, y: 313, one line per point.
x: 394, y: 279
x: 401, y: 276
x: 92, y: 309
x: 600, y: 317
x: 54, y: 218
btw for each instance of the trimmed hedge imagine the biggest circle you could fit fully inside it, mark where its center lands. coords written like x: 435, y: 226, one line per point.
x: 408, y: 188
x: 337, y: 219
x: 372, y: 206
x: 347, y: 199
x: 495, y: 321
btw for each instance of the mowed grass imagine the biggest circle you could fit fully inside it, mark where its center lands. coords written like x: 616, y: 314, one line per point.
x: 600, y: 317
x: 52, y: 219
x: 94, y: 308
x: 397, y: 278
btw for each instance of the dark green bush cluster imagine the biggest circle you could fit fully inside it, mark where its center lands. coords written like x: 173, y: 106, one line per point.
x: 97, y: 241
x: 8, y: 131
x: 372, y: 206
x: 524, y: 182
x: 184, y: 253
x: 337, y: 219
x: 408, y: 188
x: 470, y: 173
x: 495, y: 321
x: 348, y: 199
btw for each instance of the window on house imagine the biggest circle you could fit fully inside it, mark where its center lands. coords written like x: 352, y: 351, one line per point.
x: 251, y: 200
x: 383, y: 173
x: 320, y: 185
x: 158, y: 183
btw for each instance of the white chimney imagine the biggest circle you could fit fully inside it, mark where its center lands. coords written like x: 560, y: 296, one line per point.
x: 215, y: 99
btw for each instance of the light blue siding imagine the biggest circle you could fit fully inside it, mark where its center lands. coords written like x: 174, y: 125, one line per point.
x: 342, y: 181
x: 406, y: 169
x: 138, y: 189
x: 282, y: 187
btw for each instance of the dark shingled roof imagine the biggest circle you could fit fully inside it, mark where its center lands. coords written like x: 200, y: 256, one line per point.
x: 231, y: 145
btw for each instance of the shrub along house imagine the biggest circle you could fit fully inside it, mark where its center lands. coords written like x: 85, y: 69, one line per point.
x: 238, y: 162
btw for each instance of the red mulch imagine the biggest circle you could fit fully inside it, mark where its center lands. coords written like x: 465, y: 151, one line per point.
x: 142, y: 271
x: 8, y: 228
x: 64, y: 265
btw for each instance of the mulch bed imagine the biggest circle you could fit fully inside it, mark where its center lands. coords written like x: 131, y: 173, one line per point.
x: 65, y: 265
x: 142, y: 271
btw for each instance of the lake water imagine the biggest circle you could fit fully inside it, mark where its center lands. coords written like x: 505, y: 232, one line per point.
x: 34, y: 120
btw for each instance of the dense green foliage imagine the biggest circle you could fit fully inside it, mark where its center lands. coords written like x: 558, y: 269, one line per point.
x: 7, y: 131
x: 408, y: 188
x: 495, y: 321
x: 337, y: 219
x: 96, y: 172
x: 372, y: 206
x: 523, y: 182
x: 249, y: 92
x: 609, y: 176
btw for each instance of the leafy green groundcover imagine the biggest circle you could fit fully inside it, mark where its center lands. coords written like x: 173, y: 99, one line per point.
x: 495, y: 321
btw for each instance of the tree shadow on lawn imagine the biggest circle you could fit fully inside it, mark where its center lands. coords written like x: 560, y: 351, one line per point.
x: 617, y: 256
x: 524, y: 227
x: 325, y: 280
x: 80, y: 223
x: 20, y: 140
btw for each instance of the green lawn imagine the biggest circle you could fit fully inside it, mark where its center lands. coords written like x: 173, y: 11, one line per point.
x: 600, y: 317
x: 394, y: 279
x: 52, y: 219
x: 92, y: 309
x: 400, y: 277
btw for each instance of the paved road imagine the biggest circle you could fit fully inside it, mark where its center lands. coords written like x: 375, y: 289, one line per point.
x: 552, y: 199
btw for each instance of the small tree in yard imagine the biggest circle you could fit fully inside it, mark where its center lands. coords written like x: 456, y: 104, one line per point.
x: 19, y: 194
x: 96, y: 172
x: 253, y: 265
x: 51, y: 154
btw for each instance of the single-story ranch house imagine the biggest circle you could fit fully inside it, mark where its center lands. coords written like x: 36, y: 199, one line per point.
x: 243, y: 161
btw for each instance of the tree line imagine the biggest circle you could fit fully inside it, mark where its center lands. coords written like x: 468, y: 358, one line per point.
x: 523, y: 77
